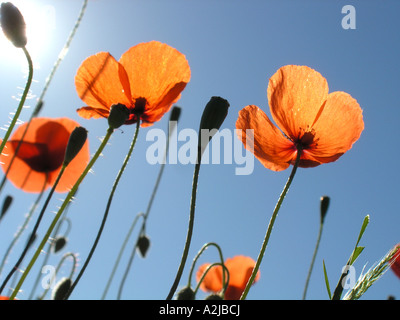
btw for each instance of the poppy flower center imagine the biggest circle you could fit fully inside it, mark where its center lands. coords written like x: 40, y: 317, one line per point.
x: 139, y: 106
x: 305, y: 139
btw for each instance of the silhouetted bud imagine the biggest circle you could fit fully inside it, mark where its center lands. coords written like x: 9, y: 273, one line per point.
x: 13, y: 24
x: 175, y: 113
x: 119, y: 113
x: 143, y: 245
x: 61, y: 289
x: 214, y: 296
x: 6, y: 204
x: 185, y: 294
x: 213, y: 116
x: 75, y: 143
x: 324, y: 207
x: 58, y: 244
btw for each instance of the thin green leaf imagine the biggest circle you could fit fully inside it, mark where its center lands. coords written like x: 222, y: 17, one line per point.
x: 328, y: 288
x: 357, y: 251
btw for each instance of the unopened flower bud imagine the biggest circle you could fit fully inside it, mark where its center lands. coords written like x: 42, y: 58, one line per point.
x: 214, y: 296
x: 213, y: 116
x: 6, y: 204
x: 175, y: 113
x: 324, y: 207
x: 143, y: 245
x: 59, y: 243
x: 186, y: 293
x: 75, y: 143
x: 119, y: 113
x: 13, y: 24
x: 61, y: 289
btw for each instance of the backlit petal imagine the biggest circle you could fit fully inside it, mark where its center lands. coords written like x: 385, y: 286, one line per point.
x: 156, y: 72
x: 269, y: 145
x: 213, y: 280
x: 339, y: 125
x: 296, y: 95
x: 101, y: 82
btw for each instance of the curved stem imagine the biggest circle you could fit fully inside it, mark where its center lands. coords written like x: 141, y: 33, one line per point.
x: 198, y: 255
x: 271, y: 224
x: 61, y: 210
x: 224, y: 270
x: 45, y: 88
x: 313, y: 260
x: 35, y: 228
x: 22, y: 101
x: 114, y: 187
x: 190, y: 228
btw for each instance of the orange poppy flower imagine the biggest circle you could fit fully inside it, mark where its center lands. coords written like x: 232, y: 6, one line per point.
x: 41, y: 155
x: 147, y: 79
x: 240, y: 269
x: 322, y: 125
x: 395, y: 262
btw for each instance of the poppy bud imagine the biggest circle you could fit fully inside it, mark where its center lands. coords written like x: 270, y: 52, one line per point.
x: 213, y: 116
x: 61, y: 289
x: 175, y: 114
x: 75, y: 143
x: 324, y: 207
x: 143, y: 245
x: 6, y: 204
x: 119, y: 113
x: 185, y: 294
x: 59, y: 243
x: 214, y: 296
x: 13, y: 24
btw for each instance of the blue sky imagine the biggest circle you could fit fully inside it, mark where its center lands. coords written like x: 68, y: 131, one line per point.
x: 232, y: 47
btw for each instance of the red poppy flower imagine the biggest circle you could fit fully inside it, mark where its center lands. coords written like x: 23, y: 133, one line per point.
x: 41, y: 155
x: 240, y: 269
x: 322, y: 125
x: 395, y: 266
x: 147, y: 79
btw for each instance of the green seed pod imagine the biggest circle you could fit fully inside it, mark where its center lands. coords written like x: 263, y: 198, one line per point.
x: 13, y: 24
x: 143, y: 245
x: 185, y: 294
x: 119, y: 113
x: 75, y: 143
x: 61, y: 289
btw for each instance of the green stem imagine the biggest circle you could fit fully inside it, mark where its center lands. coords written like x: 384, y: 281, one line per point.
x: 23, y: 227
x: 224, y: 270
x: 22, y: 101
x: 35, y: 228
x: 45, y: 88
x: 114, y: 187
x: 190, y: 227
x: 271, y: 224
x: 199, y: 254
x: 61, y: 210
x: 120, y: 254
x: 313, y: 260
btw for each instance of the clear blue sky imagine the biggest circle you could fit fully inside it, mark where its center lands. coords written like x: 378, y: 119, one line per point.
x: 233, y: 47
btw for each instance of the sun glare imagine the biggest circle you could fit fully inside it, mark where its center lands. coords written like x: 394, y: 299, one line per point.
x: 40, y: 23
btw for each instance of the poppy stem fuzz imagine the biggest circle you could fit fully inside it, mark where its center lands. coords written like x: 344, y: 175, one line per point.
x: 212, y: 118
x: 110, y: 198
x: 21, y: 102
x: 324, y: 204
x: 271, y: 223
x: 61, y: 210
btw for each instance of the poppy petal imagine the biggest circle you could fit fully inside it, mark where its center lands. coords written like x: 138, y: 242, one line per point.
x: 156, y: 72
x: 101, y: 82
x: 213, y: 279
x: 240, y: 269
x: 269, y: 145
x: 296, y: 95
x: 339, y: 125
